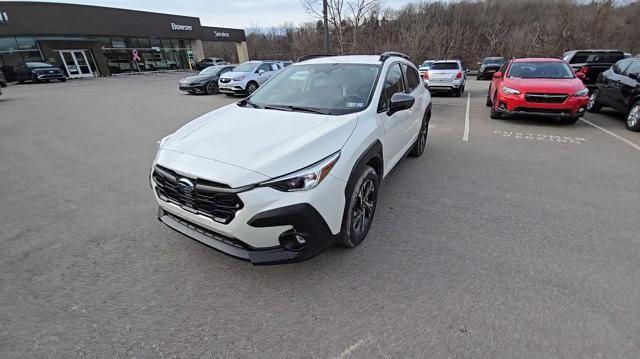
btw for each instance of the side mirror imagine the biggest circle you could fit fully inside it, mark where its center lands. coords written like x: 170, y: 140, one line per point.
x: 260, y: 72
x: 497, y: 75
x: 400, y: 101
x: 635, y: 76
x: 580, y: 75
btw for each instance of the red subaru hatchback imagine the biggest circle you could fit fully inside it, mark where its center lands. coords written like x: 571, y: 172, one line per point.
x: 537, y: 87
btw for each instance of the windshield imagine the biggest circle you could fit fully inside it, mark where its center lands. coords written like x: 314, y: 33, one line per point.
x: 246, y: 67
x: 540, y: 70
x: 37, y: 64
x: 444, y: 66
x: 212, y: 70
x: 426, y: 64
x: 333, y: 89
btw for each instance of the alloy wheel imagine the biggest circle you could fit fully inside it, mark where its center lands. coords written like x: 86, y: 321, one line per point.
x: 592, y: 100
x: 212, y: 88
x: 634, y: 116
x: 251, y: 88
x: 363, y: 209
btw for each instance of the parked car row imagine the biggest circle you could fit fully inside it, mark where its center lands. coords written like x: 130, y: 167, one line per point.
x: 243, y: 79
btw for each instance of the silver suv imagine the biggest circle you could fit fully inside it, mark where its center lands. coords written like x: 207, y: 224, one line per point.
x: 247, y: 77
x: 447, y: 76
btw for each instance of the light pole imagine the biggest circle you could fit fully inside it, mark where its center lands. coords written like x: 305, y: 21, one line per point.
x: 326, y: 27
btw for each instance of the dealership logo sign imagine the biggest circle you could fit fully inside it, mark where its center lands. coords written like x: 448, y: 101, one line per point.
x: 220, y: 34
x: 177, y: 27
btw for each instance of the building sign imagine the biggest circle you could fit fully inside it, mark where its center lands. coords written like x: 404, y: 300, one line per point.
x: 219, y: 34
x: 4, y: 18
x: 177, y: 27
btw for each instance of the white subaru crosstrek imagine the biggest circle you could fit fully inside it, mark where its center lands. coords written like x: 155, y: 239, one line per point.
x: 297, y: 166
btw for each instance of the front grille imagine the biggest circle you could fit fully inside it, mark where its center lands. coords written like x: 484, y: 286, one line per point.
x: 543, y: 110
x: 545, y: 97
x: 207, y: 198
x: 224, y: 81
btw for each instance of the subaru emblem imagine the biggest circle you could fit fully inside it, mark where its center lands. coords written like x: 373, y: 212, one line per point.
x: 186, y: 186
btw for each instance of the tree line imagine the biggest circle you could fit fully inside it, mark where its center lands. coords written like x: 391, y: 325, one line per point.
x: 467, y: 30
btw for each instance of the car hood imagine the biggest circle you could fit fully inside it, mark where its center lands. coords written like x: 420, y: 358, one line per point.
x: 270, y: 142
x: 232, y: 74
x: 568, y: 86
x: 197, y: 78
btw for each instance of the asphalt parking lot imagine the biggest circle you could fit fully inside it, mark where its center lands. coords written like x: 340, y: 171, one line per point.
x: 508, y: 238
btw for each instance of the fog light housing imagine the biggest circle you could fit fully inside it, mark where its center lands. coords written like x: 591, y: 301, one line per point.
x: 503, y: 106
x: 581, y: 110
x: 292, y: 240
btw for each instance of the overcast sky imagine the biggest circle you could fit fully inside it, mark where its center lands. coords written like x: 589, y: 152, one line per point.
x: 225, y: 13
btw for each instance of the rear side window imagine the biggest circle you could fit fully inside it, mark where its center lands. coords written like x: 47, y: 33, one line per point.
x: 596, y: 57
x: 412, y: 78
x: 264, y: 67
x: 445, y: 66
x: 634, y: 68
x: 393, y: 83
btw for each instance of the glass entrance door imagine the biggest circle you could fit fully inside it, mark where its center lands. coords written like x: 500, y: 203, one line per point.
x: 77, y: 63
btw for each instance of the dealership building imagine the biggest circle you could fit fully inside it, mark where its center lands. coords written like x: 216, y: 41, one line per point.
x: 87, y: 41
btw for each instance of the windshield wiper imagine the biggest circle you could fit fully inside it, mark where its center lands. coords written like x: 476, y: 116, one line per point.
x: 247, y: 102
x: 296, y: 108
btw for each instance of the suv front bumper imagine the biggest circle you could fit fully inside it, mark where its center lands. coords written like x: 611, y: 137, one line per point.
x: 270, y: 219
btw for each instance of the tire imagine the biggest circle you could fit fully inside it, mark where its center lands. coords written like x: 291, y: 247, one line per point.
x: 251, y: 87
x: 421, y: 142
x: 358, y: 216
x: 478, y: 77
x: 594, y: 105
x: 633, y: 117
x: 487, y: 102
x: 63, y: 80
x: 494, y: 110
x: 212, y: 88
x: 458, y: 92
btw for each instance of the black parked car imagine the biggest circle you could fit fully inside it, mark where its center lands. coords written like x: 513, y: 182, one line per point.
x: 489, y: 66
x: 592, y: 62
x: 619, y: 87
x: 39, y: 72
x: 204, y: 82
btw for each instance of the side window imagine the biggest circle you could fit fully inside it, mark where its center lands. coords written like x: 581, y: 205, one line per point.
x: 393, y: 83
x: 225, y: 69
x: 634, y: 68
x: 620, y: 67
x: 274, y: 67
x: 264, y: 67
x: 503, y: 69
x: 411, y: 75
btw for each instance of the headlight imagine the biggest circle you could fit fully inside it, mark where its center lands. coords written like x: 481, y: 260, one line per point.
x: 509, y: 91
x: 583, y: 92
x: 306, y: 178
x: 239, y: 78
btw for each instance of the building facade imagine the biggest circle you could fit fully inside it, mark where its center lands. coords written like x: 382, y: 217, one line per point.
x: 89, y: 41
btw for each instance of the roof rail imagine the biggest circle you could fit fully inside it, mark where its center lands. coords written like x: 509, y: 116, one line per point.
x: 314, y: 56
x: 388, y: 54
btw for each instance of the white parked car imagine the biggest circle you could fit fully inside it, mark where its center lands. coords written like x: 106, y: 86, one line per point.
x: 297, y: 166
x: 247, y: 77
x: 446, y: 76
x: 424, y: 67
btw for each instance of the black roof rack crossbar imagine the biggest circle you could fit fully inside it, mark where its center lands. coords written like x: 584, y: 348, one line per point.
x: 388, y: 54
x: 314, y: 56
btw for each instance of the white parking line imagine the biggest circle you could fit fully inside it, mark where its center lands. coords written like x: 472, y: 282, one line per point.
x: 613, y: 134
x: 465, y: 136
